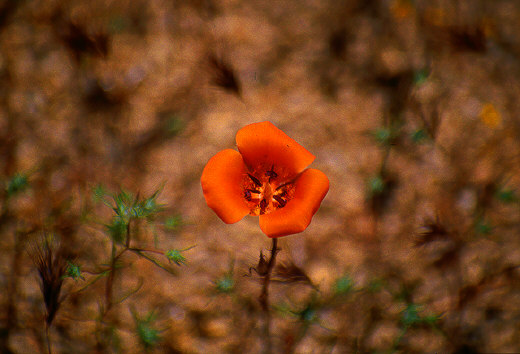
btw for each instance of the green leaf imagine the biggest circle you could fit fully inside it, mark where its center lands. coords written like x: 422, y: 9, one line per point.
x: 117, y: 229
x: 483, y: 227
x: 148, y: 207
x: 173, y: 223
x: 376, y: 185
x: 174, y: 125
x: 343, y: 285
x: 431, y: 319
x: 420, y: 76
x: 17, y: 184
x: 124, y: 204
x: 99, y: 193
x: 225, y: 284
x: 506, y: 195
x: 308, y: 314
x: 387, y: 135
x: 383, y: 136
x: 419, y: 136
x: 148, y: 334
x: 118, y: 24
x: 375, y: 285
x: 410, y: 315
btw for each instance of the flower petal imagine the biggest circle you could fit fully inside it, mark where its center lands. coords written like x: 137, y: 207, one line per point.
x: 310, y: 189
x: 263, y: 144
x: 221, y: 183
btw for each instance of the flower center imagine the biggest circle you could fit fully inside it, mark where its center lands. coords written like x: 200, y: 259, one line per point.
x: 265, y: 191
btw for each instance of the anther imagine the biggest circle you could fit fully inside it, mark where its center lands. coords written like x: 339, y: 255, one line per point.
x: 247, y: 195
x: 280, y: 200
x: 271, y: 174
x: 248, y: 192
x: 255, y: 180
x: 282, y: 185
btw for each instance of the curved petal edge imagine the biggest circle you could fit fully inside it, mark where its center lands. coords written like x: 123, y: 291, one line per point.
x: 263, y: 144
x: 221, y: 182
x: 310, y: 189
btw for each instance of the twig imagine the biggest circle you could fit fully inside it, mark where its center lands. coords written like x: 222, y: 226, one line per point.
x: 140, y: 253
x: 151, y: 250
x: 110, y: 279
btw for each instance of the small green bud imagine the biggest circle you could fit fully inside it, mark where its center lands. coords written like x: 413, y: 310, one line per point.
x: 176, y: 257
x: 73, y: 271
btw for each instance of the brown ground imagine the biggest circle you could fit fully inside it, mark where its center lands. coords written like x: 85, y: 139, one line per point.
x: 411, y: 108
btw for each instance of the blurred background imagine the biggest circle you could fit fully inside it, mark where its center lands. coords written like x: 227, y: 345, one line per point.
x: 410, y: 106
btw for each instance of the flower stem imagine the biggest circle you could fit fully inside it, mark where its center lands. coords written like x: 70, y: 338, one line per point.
x: 264, y: 297
x: 48, y: 338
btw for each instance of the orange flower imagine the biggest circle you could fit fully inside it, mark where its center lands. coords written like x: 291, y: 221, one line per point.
x: 267, y: 177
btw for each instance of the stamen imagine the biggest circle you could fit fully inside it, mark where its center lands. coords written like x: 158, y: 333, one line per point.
x: 271, y: 174
x: 283, y: 185
x: 255, y: 180
x: 247, y: 195
x: 280, y: 200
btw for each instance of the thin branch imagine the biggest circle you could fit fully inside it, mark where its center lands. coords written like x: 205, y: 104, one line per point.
x: 151, y: 250
x: 150, y: 259
x: 110, y: 279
